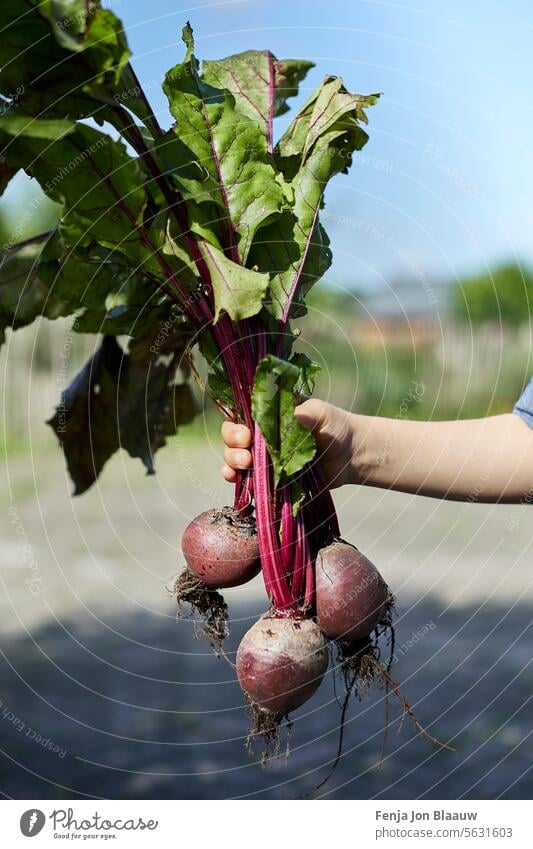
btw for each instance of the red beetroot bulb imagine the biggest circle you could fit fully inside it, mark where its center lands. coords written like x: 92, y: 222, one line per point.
x: 281, y: 662
x: 351, y: 595
x: 221, y: 549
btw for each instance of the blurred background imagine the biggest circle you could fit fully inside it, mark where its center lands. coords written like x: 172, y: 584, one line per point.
x: 425, y: 313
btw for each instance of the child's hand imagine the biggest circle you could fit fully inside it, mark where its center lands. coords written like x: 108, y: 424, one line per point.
x: 438, y: 459
x: 333, y: 430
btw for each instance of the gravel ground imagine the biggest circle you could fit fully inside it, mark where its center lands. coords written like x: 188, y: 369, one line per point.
x: 104, y: 694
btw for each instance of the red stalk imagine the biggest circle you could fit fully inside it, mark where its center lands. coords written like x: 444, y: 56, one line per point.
x: 325, y: 508
x: 276, y: 583
x: 298, y: 577
x: 271, y: 96
x: 288, y: 538
x: 309, y: 599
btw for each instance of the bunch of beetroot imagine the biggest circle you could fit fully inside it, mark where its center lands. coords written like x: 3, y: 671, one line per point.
x: 321, y: 590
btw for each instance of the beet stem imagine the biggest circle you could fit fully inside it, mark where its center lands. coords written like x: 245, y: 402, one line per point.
x: 276, y: 582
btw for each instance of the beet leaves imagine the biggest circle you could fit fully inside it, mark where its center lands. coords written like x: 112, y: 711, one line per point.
x: 208, y: 226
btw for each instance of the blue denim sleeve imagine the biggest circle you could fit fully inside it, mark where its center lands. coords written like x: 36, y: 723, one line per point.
x: 524, y: 405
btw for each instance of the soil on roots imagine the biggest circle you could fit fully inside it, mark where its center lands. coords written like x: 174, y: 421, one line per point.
x: 266, y: 728
x: 362, y: 665
x: 359, y: 661
x: 207, y: 604
x: 228, y: 515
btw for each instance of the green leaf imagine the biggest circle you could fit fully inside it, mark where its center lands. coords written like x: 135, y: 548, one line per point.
x: 503, y: 295
x: 68, y: 58
x: 88, y: 172
x: 63, y: 58
x: 131, y: 308
x: 85, y: 419
x: 298, y: 496
x: 218, y: 382
x: 220, y: 389
x: 318, y: 145
x: 274, y: 400
x: 308, y: 371
x: 260, y: 83
x: 23, y: 295
x: 237, y: 290
x: 331, y: 111
x: 69, y: 20
x: 219, y: 156
x: 288, y: 74
x: 104, y: 293
x: 6, y: 174
x: 43, y: 128
x: 151, y: 405
x: 120, y: 400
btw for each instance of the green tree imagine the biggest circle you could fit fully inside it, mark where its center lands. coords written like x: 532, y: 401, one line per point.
x: 505, y: 294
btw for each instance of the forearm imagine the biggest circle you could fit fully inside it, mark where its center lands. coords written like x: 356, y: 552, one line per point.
x: 470, y: 460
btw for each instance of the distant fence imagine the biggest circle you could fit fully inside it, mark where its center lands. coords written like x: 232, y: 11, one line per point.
x: 459, y: 370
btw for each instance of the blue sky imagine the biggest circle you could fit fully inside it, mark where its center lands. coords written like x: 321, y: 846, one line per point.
x: 444, y: 186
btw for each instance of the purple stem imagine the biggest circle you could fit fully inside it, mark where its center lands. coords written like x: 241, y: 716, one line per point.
x: 325, y: 508
x: 298, y: 562
x: 153, y: 120
x: 276, y: 583
x: 33, y: 240
x: 271, y: 96
x: 288, y: 537
x: 173, y: 198
x: 309, y: 599
x: 244, y: 493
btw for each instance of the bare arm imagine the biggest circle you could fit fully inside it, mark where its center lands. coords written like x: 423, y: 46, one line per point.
x: 487, y: 459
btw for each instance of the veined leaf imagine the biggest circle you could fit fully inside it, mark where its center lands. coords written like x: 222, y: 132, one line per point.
x: 330, y: 109
x: 85, y: 421
x: 47, y: 129
x: 106, y: 294
x: 318, y: 145
x: 238, y: 291
x: 120, y: 400
x: 308, y: 371
x: 66, y: 58
x: 23, y: 295
x: 274, y: 400
x: 131, y: 226
x: 219, y: 155
x: 97, y: 182
x: 260, y: 84
x: 103, y: 293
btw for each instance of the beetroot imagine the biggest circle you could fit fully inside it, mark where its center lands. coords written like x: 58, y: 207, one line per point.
x: 221, y: 549
x: 351, y: 595
x: 281, y: 662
